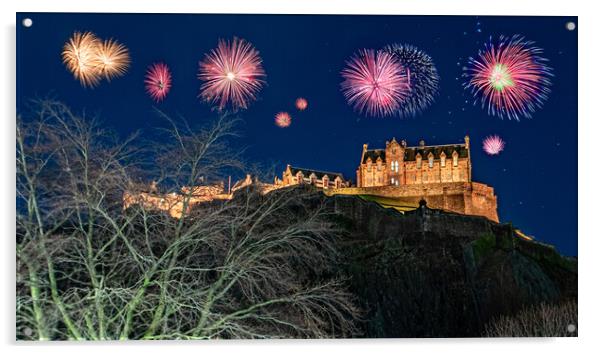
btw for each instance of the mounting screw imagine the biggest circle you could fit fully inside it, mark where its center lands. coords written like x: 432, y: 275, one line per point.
x: 571, y: 328
x: 571, y: 26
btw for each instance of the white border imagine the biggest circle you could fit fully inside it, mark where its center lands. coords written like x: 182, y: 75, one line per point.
x: 590, y: 246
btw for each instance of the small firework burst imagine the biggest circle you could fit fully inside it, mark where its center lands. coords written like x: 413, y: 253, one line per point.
x: 493, y: 145
x: 158, y: 81
x: 301, y: 103
x: 423, y: 79
x: 375, y: 83
x: 80, y: 56
x: 510, y: 77
x: 232, y: 75
x: 283, y: 119
x: 113, y: 59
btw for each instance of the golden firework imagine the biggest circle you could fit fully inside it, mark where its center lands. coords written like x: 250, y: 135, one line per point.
x: 80, y: 56
x: 113, y: 58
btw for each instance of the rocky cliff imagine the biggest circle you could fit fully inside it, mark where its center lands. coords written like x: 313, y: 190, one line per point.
x: 429, y: 273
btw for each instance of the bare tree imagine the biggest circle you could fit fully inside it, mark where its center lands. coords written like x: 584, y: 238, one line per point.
x: 542, y: 320
x: 256, y: 266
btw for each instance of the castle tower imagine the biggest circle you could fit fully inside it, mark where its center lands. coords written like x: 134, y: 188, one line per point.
x: 394, y: 163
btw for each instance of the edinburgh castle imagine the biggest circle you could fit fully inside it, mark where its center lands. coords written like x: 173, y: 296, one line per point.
x: 396, y: 175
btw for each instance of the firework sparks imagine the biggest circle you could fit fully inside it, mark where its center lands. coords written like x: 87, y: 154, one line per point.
x: 158, y: 81
x: 375, y: 83
x: 493, y: 145
x: 113, y: 59
x: 301, y: 103
x: 283, y: 119
x: 511, y: 78
x: 81, y: 59
x: 423, y: 78
x: 232, y: 75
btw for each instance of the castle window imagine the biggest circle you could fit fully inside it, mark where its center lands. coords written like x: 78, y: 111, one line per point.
x: 418, y: 161
x: 392, y: 166
x: 392, y: 181
x: 396, y: 166
x: 442, y: 160
x: 431, y: 160
x: 455, y: 158
x: 325, y: 182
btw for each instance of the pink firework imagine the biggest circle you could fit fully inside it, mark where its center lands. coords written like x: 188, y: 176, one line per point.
x: 283, y: 119
x: 510, y: 78
x: 158, y: 81
x: 493, y: 145
x: 301, y: 103
x: 232, y: 75
x: 375, y: 83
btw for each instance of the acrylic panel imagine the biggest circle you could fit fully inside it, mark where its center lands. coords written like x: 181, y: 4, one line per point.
x: 232, y: 176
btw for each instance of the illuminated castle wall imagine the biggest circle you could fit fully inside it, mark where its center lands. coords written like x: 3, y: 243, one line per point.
x: 439, y: 174
x: 398, y: 164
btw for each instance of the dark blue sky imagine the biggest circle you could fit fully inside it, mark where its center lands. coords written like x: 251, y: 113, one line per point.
x: 535, y: 177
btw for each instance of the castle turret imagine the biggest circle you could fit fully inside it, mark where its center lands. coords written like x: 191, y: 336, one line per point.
x: 467, y: 143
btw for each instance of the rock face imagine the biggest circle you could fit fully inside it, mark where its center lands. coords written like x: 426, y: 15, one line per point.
x: 429, y: 273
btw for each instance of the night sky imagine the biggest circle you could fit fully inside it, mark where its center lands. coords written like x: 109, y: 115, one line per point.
x: 535, y: 177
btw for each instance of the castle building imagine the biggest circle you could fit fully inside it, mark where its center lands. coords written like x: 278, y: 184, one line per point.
x: 321, y: 179
x: 439, y: 174
x: 398, y: 176
x: 173, y: 203
x: 398, y: 164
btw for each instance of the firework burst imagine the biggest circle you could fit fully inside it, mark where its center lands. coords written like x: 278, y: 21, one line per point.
x: 283, y: 119
x: 493, y: 145
x: 511, y: 78
x: 423, y: 78
x: 301, y: 103
x: 232, y: 75
x: 375, y: 83
x: 113, y: 59
x: 158, y: 81
x: 81, y: 59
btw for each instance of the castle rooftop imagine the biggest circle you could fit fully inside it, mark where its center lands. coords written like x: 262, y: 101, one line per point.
x: 307, y: 172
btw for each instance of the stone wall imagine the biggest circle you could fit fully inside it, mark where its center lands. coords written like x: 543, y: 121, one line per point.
x: 469, y: 198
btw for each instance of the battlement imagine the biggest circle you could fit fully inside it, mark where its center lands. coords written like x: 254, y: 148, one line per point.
x: 470, y: 198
